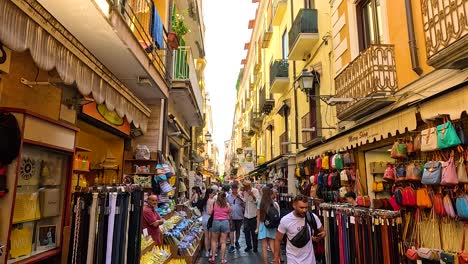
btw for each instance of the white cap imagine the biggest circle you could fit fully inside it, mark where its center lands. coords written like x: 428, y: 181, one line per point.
x: 214, y: 187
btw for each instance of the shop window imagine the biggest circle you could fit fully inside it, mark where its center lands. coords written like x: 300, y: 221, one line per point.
x: 38, y: 205
x: 369, y: 21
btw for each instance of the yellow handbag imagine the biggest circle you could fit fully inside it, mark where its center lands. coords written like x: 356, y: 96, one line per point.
x: 422, y: 198
x: 377, y: 186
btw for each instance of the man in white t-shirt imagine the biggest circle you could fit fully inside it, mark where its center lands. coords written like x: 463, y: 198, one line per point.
x: 290, y: 225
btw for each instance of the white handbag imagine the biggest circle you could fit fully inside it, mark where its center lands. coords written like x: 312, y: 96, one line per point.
x: 429, y: 139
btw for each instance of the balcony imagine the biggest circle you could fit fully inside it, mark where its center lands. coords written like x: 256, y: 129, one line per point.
x: 309, y: 138
x: 446, y: 33
x: 266, y: 104
x: 303, y: 34
x: 128, y: 40
x: 186, y: 92
x: 255, y: 119
x: 279, y: 76
x: 284, y: 143
x: 370, y: 79
x: 279, y: 9
x: 267, y: 35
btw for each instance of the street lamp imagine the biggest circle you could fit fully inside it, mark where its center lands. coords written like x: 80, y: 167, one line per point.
x: 308, y: 80
x: 208, y: 136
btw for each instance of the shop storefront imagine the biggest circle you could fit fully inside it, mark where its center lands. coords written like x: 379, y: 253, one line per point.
x: 47, y: 83
x: 408, y: 170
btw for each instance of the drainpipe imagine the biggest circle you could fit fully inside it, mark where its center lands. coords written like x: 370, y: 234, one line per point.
x: 296, y: 114
x: 412, y: 40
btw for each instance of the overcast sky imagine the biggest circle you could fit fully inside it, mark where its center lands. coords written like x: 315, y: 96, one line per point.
x: 226, y: 33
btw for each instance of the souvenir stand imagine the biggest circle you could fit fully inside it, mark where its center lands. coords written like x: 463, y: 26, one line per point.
x: 181, y: 230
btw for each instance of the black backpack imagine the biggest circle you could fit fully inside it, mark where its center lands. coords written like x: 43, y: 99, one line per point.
x: 10, y: 138
x: 272, y: 217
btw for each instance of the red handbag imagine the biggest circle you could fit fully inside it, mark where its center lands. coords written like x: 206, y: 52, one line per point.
x: 438, y: 202
x: 394, y: 204
x: 409, y: 196
x: 363, y: 201
x: 412, y: 254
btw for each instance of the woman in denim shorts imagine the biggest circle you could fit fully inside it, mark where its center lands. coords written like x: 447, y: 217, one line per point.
x: 220, y: 228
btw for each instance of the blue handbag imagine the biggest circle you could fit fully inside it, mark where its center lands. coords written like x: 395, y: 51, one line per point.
x: 432, y: 173
x: 447, y: 136
x: 461, y: 204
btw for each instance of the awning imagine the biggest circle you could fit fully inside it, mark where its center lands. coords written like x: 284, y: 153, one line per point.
x: 379, y: 129
x: 452, y: 104
x: 48, y: 49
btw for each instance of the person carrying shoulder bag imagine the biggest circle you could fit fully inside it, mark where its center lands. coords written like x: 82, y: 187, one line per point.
x: 301, y: 230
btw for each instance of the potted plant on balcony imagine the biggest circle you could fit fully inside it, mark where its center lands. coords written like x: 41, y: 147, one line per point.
x: 179, y: 27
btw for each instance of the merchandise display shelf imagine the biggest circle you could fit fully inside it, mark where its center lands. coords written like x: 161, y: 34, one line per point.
x: 147, y: 249
x: 196, y: 253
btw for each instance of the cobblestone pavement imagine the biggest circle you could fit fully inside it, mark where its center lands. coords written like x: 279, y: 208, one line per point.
x: 239, y: 256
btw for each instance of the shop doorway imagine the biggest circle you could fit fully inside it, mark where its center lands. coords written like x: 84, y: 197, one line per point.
x: 376, y: 163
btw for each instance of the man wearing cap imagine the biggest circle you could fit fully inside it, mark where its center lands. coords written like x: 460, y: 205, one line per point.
x: 250, y: 196
x: 237, y: 211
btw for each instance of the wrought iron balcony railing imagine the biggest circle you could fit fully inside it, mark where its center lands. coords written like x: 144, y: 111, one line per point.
x: 146, y: 25
x: 184, y: 70
x: 279, y: 69
x: 371, y: 74
x: 445, y: 25
x: 266, y: 103
x: 306, y: 21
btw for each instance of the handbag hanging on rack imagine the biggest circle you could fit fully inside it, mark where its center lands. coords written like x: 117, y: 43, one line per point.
x: 399, y: 150
x: 429, y: 139
x: 449, y: 172
x: 447, y: 135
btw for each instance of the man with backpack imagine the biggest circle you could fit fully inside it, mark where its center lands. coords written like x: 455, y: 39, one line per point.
x: 301, y: 228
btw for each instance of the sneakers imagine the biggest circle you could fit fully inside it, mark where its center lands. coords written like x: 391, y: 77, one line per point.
x: 247, y: 249
x: 238, y: 245
x: 231, y: 249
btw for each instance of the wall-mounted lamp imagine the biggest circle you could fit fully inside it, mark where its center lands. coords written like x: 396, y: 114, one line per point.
x: 208, y: 136
x: 308, y: 80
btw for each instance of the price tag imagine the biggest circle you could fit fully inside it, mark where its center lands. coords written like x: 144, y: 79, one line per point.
x: 145, y: 232
x: 352, y: 220
x: 313, y: 207
x: 332, y: 214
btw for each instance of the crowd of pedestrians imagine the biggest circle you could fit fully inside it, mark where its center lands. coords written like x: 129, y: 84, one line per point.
x: 226, y: 210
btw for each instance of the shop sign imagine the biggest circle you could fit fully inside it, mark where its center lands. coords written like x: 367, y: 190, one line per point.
x: 111, y: 118
x: 361, y: 136
x: 5, y: 58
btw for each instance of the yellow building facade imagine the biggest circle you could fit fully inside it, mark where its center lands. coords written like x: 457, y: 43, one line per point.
x: 376, y: 70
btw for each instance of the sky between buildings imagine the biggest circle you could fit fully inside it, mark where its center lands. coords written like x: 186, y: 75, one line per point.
x: 226, y: 33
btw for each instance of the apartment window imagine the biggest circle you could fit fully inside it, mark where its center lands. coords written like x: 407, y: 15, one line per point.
x: 285, y: 45
x: 369, y: 20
